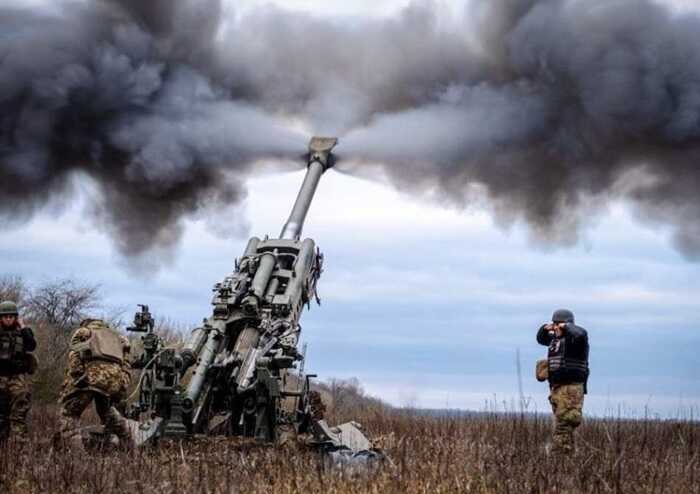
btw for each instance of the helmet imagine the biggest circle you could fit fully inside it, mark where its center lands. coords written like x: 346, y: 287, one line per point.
x: 8, y: 308
x: 563, y: 315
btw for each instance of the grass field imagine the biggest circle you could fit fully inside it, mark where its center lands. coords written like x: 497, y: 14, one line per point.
x: 487, y: 453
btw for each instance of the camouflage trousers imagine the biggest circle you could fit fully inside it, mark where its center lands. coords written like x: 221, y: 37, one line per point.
x: 74, y: 404
x: 15, y: 402
x: 567, y: 406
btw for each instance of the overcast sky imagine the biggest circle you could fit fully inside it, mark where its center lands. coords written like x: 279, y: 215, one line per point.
x: 426, y: 306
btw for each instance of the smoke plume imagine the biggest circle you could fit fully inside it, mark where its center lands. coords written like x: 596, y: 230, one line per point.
x: 547, y: 109
x: 575, y: 103
x: 120, y: 92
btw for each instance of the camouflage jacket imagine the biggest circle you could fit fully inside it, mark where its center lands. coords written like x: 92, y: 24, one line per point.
x: 109, y: 378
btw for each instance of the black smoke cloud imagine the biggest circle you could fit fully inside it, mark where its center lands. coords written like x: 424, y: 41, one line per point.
x: 548, y: 109
x: 120, y: 91
x: 575, y: 103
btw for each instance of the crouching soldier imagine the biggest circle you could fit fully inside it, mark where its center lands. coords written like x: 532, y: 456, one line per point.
x: 567, y: 370
x: 16, y: 361
x: 97, y: 371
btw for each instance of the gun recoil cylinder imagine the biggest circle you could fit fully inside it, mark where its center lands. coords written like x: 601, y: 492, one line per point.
x: 303, y: 264
x: 193, y: 347
x: 251, y: 247
x: 206, y: 358
x: 262, y: 275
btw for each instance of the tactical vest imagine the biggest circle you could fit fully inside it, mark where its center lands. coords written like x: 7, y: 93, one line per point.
x: 13, y: 358
x: 567, y: 362
x: 104, y: 344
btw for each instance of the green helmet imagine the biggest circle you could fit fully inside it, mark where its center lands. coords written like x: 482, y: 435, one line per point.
x: 8, y: 308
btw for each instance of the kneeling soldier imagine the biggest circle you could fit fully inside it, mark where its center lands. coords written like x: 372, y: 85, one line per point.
x: 97, y: 371
x: 16, y: 360
x: 567, y: 361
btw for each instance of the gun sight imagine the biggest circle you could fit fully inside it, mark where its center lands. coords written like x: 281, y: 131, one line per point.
x: 143, y: 321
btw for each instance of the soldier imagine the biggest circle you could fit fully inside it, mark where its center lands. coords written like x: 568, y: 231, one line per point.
x: 97, y: 371
x: 567, y: 362
x: 16, y: 360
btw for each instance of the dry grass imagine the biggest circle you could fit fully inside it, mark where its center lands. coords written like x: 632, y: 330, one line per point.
x: 489, y: 453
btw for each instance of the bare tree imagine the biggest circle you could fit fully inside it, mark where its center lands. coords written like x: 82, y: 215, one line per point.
x: 12, y: 288
x: 172, y: 332
x: 62, y: 304
x: 57, y: 307
x: 54, y: 309
x: 346, y: 393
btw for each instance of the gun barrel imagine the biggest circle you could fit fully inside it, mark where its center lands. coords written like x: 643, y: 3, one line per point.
x: 320, y: 159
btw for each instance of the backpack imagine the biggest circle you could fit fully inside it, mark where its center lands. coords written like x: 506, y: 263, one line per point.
x: 104, y: 344
x: 542, y: 370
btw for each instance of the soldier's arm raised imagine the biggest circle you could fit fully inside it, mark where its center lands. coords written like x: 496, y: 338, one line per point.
x: 544, y: 336
x: 28, y: 339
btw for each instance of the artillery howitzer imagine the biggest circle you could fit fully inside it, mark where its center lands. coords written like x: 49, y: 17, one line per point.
x: 243, y: 353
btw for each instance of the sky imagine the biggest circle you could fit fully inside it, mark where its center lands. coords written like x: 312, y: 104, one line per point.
x: 427, y: 306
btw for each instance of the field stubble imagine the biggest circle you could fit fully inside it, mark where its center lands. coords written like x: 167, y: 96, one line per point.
x: 483, y: 453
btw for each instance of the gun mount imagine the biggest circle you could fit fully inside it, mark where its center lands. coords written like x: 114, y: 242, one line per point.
x: 241, y: 356
x: 143, y: 321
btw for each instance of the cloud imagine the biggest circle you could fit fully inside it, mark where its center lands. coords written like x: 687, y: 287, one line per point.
x: 169, y: 107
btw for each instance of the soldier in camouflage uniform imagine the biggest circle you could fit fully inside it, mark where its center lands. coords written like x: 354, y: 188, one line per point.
x: 567, y: 361
x: 97, y: 371
x: 16, y: 361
